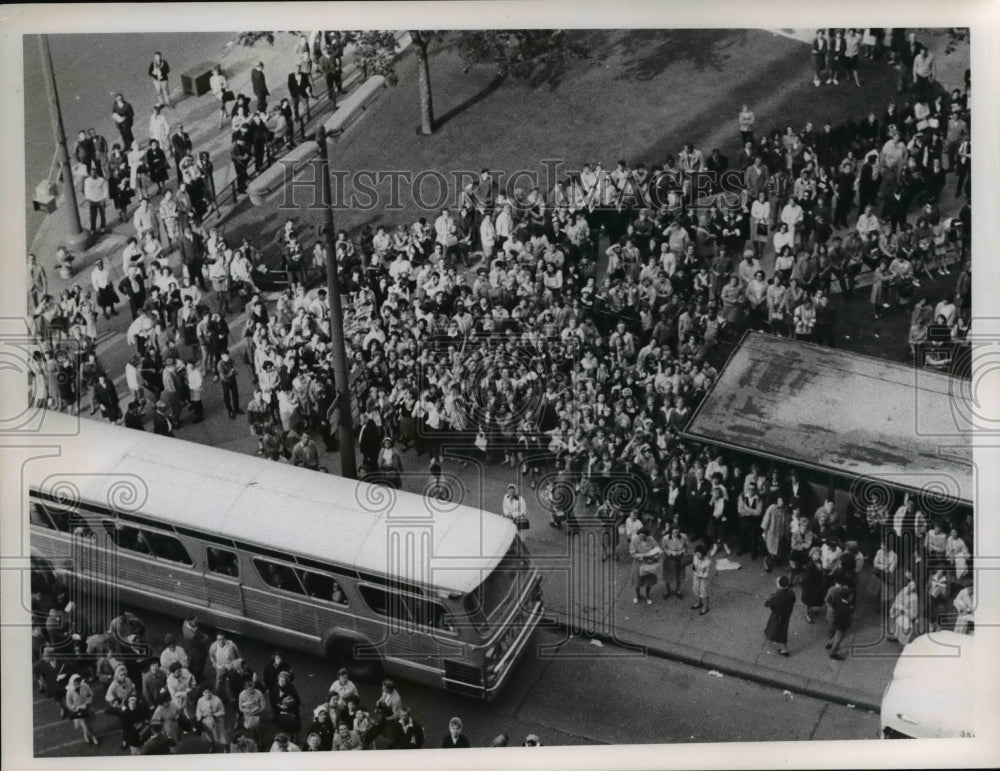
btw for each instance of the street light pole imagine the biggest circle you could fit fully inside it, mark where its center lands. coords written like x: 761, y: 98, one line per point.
x: 348, y: 467
x: 75, y: 238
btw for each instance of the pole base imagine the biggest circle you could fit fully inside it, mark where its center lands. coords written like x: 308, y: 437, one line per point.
x: 78, y: 242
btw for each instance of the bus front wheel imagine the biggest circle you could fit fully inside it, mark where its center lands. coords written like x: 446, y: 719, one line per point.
x: 359, y: 659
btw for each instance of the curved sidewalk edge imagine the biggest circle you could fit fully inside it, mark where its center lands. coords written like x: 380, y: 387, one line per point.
x: 728, y: 665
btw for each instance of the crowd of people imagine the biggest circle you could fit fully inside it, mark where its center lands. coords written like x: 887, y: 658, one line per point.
x: 506, y: 332
x: 199, y: 685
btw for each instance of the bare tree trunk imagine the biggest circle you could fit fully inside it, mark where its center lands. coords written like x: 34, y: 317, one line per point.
x: 424, y: 81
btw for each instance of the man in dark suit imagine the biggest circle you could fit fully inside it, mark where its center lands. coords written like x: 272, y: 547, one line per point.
x: 299, y: 89
x: 161, y: 423
x: 259, y: 86
x: 370, y: 440
x: 192, y: 247
x: 407, y: 733
x: 133, y: 286
x: 910, y: 50
x: 124, y: 116
x: 180, y: 146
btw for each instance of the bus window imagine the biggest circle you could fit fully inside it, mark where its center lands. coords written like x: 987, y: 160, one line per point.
x: 278, y: 576
x: 494, y: 594
x: 428, y: 613
x: 37, y: 516
x: 322, y: 587
x: 376, y: 599
x: 223, y: 562
x: 166, y: 547
x: 63, y: 519
x: 127, y: 537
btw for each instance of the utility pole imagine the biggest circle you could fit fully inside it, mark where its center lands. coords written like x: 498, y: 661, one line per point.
x: 348, y: 467
x: 76, y: 238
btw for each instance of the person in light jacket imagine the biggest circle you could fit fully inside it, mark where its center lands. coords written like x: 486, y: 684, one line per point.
x: 514, y: 505
x: 210, y: 714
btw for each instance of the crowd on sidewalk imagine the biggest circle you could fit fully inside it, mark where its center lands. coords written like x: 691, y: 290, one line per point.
x: 200, y: 690
x: 488, y: 331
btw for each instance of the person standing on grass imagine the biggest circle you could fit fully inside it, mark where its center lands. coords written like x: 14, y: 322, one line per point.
x: 924, y: 73
x: 158, y: 71
x: 820, y: 49
x: 123, y: 115
x: 852, y: 47
x: 781, y: 603
x: 834, y: 57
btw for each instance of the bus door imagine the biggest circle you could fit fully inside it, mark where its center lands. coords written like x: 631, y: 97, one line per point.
x: 222, y: 580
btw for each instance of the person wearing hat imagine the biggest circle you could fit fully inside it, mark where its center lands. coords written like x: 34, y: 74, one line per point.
x: 532, y: 740
x: 781, y: 603
x: 286, y: 704
x: 455, y: 739
x: 79, y: 701
x: 343, y: 686
x: 162, y: 424
x: 323, y: 726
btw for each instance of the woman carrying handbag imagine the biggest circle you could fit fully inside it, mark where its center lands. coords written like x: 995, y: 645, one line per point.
x: 646, y: 558
x: 515, y: 508
x: 79, y: 701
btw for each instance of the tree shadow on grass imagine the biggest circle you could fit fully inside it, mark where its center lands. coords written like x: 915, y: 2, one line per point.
x: 647, y: 53
x: 490, y: 87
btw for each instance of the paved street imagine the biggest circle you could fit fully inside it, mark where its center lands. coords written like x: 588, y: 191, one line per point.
x: 590, y: 693
x: 582, y: 695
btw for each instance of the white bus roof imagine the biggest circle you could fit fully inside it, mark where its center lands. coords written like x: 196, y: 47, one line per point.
x: 840, y: 412
x: 320, y: 516
x: 932, y: 692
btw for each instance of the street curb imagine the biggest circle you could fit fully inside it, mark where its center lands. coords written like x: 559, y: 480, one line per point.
x: 727, y: 665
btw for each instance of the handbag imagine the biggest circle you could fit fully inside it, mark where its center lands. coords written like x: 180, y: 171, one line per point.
x: 481, y: 441
x: 521, y: 522
x: 648, y: 569
x: 228, y: 96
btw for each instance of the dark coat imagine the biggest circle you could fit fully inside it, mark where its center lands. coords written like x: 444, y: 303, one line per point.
x: 781, y: 604
x: 447, y: 743
x: 812, y: 586
x: 259, y: 83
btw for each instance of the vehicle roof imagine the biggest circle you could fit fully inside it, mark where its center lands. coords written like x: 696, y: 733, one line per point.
x: 932, y: 692
x: 271, y: 504
x: 840, y: 412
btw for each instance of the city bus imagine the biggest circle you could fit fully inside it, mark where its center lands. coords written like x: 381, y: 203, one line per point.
x: 377, y: 580
x: 932, y: 691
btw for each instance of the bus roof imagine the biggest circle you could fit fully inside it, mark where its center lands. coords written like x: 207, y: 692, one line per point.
x: 278, y: 506
x: 932, y: 692
x: 839, y: 412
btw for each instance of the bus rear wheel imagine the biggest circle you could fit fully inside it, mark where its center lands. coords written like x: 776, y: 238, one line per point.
x: 351, y: 655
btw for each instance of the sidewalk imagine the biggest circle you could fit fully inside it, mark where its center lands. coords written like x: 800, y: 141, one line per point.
x: 200, y: 118
x: 729, y: 639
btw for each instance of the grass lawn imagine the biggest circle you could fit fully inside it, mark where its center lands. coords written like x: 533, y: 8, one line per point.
x: 639, y: 96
